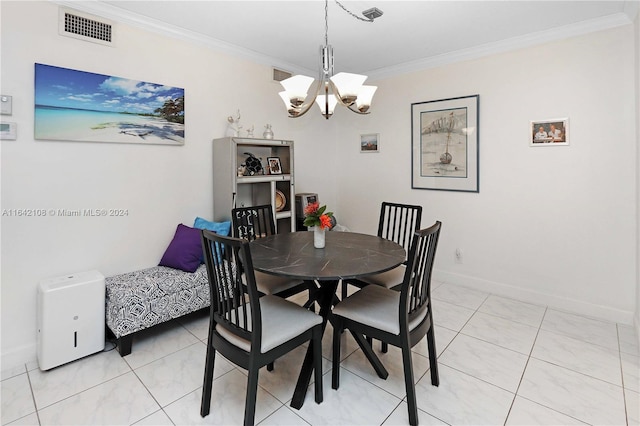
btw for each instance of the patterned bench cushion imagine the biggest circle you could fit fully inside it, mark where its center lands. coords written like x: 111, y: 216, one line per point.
x: 141, y: 299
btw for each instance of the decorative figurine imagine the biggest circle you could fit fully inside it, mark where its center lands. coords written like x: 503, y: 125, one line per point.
x: 250, y: 132
x: 233, y: 128
x: 268, y: 133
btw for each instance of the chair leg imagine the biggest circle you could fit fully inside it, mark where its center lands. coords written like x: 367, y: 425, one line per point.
x: 316, y: 341
x: 205, y: 404
x: 335, y: 359
x: 409, y: 384
x: 344, y: 286
x: 270, y: 366
x: 252, y: 391
x: 433, y: 359
x: 384, y: 347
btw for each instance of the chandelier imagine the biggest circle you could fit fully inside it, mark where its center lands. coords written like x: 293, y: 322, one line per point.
x: 343, y: 88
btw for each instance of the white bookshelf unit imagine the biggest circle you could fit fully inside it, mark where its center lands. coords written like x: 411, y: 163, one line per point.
x: 231, y: 190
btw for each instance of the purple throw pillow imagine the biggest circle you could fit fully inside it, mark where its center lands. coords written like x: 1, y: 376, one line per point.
x: 184, y: 251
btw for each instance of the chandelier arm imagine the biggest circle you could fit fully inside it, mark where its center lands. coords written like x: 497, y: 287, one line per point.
x: 336, y: 93
x: 307, y: 106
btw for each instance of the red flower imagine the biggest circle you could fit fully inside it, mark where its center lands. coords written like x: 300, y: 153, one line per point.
x: 311, y: 208
x: 325, y: 222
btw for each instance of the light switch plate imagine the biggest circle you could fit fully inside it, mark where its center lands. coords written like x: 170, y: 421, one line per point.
x: 6, y: 104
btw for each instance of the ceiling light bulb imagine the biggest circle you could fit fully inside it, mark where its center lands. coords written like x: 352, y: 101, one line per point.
x: 296, y: 88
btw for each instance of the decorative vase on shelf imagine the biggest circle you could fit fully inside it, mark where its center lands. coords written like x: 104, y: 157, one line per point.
x: 318, y: 237
x: 268, y: 133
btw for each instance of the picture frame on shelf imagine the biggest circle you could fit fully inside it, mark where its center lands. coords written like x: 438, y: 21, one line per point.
x: 370, y: 142
x: 551, y: 132
x: 445, y: 144
x: 275, y: 168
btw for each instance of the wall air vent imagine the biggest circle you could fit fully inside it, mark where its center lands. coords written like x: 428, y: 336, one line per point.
x: 279, y: 75
x: 85, y: 27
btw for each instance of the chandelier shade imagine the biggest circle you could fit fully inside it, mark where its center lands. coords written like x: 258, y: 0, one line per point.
x: 346, y: 89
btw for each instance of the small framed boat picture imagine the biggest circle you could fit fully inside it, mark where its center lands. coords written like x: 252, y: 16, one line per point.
x: 553, y: 132
x: 369, y: 142
x: 444, y: 139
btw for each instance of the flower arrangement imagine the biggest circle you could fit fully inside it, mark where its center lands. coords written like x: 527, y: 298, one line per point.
x: 318, y: 216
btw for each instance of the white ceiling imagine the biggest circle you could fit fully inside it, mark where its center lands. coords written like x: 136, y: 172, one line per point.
x: 410, y: 34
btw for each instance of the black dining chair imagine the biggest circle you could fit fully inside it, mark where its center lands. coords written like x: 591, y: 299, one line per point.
x: 248, y: 329
x: 399, y: 318
x: 397, y: 223
x: 254, y: 222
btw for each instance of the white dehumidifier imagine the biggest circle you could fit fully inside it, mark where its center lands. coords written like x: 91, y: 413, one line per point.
x: 70, y: 318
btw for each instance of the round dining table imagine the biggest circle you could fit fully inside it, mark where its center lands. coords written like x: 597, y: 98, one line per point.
x: 346, y: 255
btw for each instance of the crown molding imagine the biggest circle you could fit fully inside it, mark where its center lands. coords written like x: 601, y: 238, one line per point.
x: 577, y: 29
x: 119, y: 15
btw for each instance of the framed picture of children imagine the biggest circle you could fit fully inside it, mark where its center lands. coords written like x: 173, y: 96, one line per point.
x: 554, y: 132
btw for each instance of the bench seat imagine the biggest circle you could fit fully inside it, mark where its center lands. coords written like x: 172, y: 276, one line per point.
x: 142, y: 299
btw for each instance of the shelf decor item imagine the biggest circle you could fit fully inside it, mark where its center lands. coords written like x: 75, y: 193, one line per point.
x: 320, y: 219
x: 268, y: 132
x: 445, y: 151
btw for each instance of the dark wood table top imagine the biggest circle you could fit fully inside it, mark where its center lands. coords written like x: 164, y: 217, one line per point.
x: 346, y: 255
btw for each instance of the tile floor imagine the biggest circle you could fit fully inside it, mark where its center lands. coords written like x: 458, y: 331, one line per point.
x: 501, y: 362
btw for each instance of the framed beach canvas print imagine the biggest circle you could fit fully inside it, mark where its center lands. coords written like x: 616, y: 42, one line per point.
x: 553, y: 132
x: 445, y: 151
x: 73, y: 105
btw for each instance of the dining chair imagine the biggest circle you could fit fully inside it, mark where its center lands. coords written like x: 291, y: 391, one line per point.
x: 248, y: 329
x: 399, y: 318
x: 254, y: 222
x: 397, y: 223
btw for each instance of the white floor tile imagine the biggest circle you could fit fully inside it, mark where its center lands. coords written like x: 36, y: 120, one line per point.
x: 631, y: 371
x: 29, y: 420
x: 197, y: 323
x: 459, y: 295
x: 157, y: 342
x: 502, y: 332
x: 228, y: 398
x: 628, y: 339
x: 284, y: 416
x: 590, y: 330
x: 462, y: 399
x: 527, y: 413
x: 590, y: 400
x: 12, y: 372
x: 174, y: 376
x: 400, y: 416
x: 578, y: 355
x: 444, y: 336
x: 513, y: 310
x: 632, y: 400
x: 486, y: 361
x: 347, y: 346
x: 121, y: 401
x: 358, y: 364
x: 338, y: 408
x: 159, y: 418
x: 61, y: 382
x: 17, y: 401
x: 450, y: 316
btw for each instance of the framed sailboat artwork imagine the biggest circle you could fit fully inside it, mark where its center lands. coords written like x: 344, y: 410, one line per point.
x: 444, y: 139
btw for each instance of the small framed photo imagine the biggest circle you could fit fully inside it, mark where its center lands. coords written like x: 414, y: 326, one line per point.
x: 370, y: 142
x: 553, y: 132
x: 275, y: 168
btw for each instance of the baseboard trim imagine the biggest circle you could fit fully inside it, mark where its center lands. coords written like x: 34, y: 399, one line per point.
x: 18, y: 357
x: 538, y: 298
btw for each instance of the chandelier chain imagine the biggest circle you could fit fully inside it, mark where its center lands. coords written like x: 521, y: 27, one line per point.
x: 351, y: 13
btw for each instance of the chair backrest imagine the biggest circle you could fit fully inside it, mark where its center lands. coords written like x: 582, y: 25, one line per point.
x: 398, y: 222
x: 231, y: 279
x: 254, y: 222
x: 415, y: 293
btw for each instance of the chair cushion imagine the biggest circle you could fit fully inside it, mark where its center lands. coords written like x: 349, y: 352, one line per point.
x: 386, y: 279
x: 271, y: 284
x: 281, y: 321
x: 377, y: 307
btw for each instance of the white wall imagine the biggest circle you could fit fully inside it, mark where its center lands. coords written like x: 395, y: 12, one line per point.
x: 637, y: 80
x: 551, y: 225
x: 160, y: 186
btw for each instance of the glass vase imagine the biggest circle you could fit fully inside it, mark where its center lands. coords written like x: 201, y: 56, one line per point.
x: 318, y: 237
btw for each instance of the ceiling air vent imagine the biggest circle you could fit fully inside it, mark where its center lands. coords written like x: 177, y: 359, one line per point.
x: 85, y: 27
x: 279, y: 75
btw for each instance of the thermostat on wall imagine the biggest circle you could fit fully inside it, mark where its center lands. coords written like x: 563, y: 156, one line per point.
x: 8, y: 131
